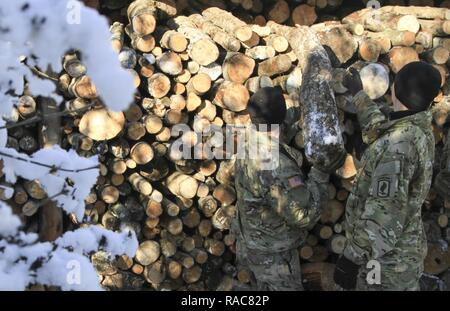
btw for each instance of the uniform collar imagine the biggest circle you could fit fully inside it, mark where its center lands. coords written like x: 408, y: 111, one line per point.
x: 401, y: 118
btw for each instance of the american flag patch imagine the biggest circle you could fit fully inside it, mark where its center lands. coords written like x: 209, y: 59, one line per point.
x: 295, y: 181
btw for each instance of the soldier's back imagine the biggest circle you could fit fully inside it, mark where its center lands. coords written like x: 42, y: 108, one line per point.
x: 261, y: 226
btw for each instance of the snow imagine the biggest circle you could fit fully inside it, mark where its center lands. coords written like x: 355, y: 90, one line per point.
x: 54, y: 181
x: 63, y: 263
x: 46, y: 23
x: 8, y: 222
x: 38, y: 33
x: 318, y: 131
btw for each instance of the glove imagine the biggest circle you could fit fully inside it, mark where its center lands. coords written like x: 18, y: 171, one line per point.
x: 318, y: 175
x: 352, y: 81
x: 345, y: 273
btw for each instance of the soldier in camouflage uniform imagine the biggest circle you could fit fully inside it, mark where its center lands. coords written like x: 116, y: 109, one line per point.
x: 276, y: 206
x: 442, y: 181
x: 383, y: 212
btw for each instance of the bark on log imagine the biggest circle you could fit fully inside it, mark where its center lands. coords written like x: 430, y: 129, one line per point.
x: 323, y: 147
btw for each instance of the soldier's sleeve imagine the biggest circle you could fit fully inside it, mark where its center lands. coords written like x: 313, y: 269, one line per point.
x: 298, y: 201
x: 442, y: 181
x: 369, y: 115
x: 377, y: 230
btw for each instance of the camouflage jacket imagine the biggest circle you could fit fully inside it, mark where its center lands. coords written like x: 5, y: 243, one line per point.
x: 383, y: 213
x: 442, y: 181
x: 276, y: 207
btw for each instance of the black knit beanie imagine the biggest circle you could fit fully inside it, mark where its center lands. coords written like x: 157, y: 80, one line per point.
x: 267, y: 106
x: 416, y: 85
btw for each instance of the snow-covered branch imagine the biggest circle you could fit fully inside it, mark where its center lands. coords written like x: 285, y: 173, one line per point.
x: 42, y: 31
x: 35, y: 34
x: 63, y: 263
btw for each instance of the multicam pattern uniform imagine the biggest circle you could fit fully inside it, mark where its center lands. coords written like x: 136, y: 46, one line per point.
x: 275, y: 210
x: 383, y: 213
x: 442, y: 181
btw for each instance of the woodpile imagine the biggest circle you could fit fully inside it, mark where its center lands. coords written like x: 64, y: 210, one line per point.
x: 196, y: 65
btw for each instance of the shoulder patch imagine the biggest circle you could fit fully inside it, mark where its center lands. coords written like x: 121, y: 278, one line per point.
x: 385, y: 186
x: 295, y: 181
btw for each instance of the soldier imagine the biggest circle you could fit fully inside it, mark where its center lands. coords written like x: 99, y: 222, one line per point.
x: 383, y: 214
x: 275, y: 204
x: 442, y: 181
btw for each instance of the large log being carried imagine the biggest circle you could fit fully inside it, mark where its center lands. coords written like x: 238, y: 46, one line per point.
x: 320, y: 125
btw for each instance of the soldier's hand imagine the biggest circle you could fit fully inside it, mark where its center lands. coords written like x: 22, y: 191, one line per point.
x: 352, y: 81
x: 345, y: 273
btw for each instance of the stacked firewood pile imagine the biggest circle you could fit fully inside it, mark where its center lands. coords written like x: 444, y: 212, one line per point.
x: 199, y: 70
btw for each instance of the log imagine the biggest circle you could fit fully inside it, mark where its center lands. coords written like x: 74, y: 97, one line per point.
x: 192, y: 275
x: 274, y: 66
x: 225, y: 194
x: 142, y: 43
x: 437, y: 260
x: 232, y: 96
x: 260, y: 52
x: 221, y: 37
x: 303, y: 15
x: 182, y: 185
x: 117, y: 36
x: 214, y: 247
x: 140, y: 184
x: 339, y: 43
x: 101, y: 124
x: 133, y: 113
x: 174, y: 269
x: 141, y: 153
x: 155, y: 273
x: 400, y: 56
x: 128, y: 58
x: 336, y: 243
x: 169, y: 63
x: 158, y: 85
x: 323, y: 232
x: 318, y: 276
x: 73, y: 66
x: 174, y: 41
x: 82, y: 87
x: 315, y: 89
x: 305, y: 252
x: 141, y: 15
x: 110, y: 194
x: 348, y: 169
x: 204, y: 228
x: 168, y: 247
x: 375, y: 79
x: 277, y: 42
x: 369, y: 50
x: 228, y: 23
x: 332, y: 212
x: 279, y: 12
x: 238, y: 67
x: 199, y: 84
x: 192, y: 218
x: 438, y: 55
x: 201, y: 48
x: 135, y: 130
